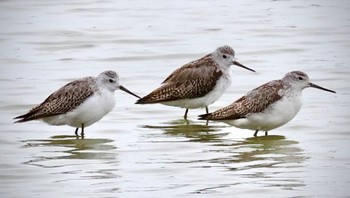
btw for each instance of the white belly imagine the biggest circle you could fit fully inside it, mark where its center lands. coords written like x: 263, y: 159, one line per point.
x: 276, y: 115
x: 212, y: 96
x: 89, y: 112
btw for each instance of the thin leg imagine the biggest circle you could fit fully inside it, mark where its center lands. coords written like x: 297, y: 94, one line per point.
x: 266, y: 133
x: 82, y: 130
x: 207, y: 111
x: 185, y: 116
x: 76, y: 132
x: 256, y: 133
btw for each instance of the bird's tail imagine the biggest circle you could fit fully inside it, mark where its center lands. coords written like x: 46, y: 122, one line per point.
x: 142, y: 101
x: 205, y: 116
x: 31, y: 115
x: 21, y: 118
x: 149, y: 100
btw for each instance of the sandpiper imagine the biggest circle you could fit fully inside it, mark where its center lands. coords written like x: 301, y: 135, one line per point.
x: 79, y: 103
x: 196, y: 84
x: 266, y: 107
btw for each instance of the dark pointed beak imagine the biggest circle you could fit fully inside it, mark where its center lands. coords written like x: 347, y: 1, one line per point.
x: 127, y: 91
x: 240, y: 65
x: 319, y: 87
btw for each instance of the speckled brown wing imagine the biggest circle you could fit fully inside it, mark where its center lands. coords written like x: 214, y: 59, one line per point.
x: 196, y: 69
x: 61, y: 101
x: 193, y: 80
x: 254, y: 101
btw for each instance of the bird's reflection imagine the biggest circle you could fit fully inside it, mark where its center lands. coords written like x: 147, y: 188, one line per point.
x: 252, y: 152
x: 267, y: 150
x: 70, y: 147
x: 267, y: 160
x: 195, y: 132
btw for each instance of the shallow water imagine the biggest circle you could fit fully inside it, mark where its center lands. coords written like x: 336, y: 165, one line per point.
x: 149, y: 150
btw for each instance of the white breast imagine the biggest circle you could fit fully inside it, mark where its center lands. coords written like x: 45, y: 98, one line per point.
x: 89, y: 112
x: 276, y: 115
x: 223, y: 83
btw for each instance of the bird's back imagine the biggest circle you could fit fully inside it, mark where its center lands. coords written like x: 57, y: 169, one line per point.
x: 63, y: 100
x: 254, y: 101
x: 192, y: 80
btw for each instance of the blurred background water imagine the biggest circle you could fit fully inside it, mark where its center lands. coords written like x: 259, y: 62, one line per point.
x: 148, y: 150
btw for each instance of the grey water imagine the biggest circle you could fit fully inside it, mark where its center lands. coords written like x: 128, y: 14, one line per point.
x: 149, y: 150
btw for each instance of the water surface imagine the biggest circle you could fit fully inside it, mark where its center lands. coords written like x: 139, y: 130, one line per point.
x: 149, y: 150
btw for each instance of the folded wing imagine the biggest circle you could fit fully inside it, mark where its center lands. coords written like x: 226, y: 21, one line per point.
x: 61, y: 101
x: 254, y: 101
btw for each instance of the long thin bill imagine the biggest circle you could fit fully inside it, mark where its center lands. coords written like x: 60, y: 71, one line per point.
x: 127, y: 91
x: 319, y: 87
x: 240, y: 65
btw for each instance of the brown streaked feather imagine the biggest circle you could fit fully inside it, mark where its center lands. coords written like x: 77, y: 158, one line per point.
x: 61, y: 101
x: 192, y: 70
x: 188, y: 89
x: 254, y: 101
x: 192, y: 80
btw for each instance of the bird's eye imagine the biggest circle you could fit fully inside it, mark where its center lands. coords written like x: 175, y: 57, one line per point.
x: 111, y: 80
x: 224, y: 56
x: 300, y: 78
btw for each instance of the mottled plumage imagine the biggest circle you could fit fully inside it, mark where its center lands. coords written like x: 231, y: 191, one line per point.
x: 188, y: 83
x: 267, y: 107
x: 79, y: 103
x: 65, y: 99
x: 196, y: 84
x: 254, y: 101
